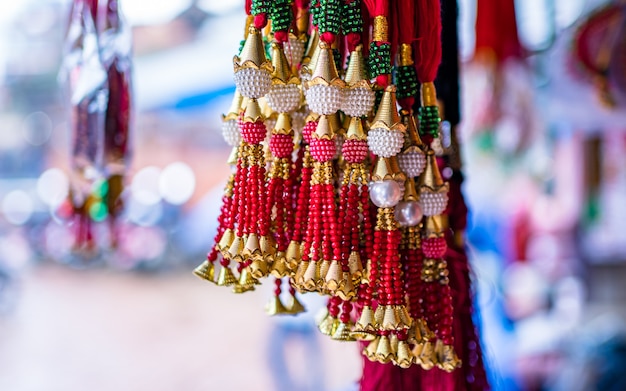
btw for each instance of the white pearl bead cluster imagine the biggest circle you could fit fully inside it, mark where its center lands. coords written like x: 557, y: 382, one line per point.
x: 324, y: 99
x: 358, y: 102
x: 412, y: 163
x: 384, y: 142
x: 433, y: 203
x: 253, y: 83
x: 294, y: 50
x: 230, y: 132
x: 283, y: 98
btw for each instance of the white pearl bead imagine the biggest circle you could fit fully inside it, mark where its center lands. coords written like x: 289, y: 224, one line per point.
x: 283, y: 98
x: 230, y: 132
x: 412, y: 163
x: 385, y: 194
x: 409, y: 213
x: 433, y: 204
x: 324, y: 99
x: 357, y: 102
x: 384, y: 142
x: 253, y: 83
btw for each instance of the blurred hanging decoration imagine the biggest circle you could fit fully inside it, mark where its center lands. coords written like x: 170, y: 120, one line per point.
x: 599, y: 52
x: 336, y: 206
x: 96, y: 77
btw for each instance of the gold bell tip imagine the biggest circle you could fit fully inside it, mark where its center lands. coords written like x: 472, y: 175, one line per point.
x: 431, y: 177
x: 342, y: 333
x: 205, y: 271
x: 253, y: 52
x: 387, y: 116
x: 295, y: 306
x: 226, y: 277
x: 275, y: 307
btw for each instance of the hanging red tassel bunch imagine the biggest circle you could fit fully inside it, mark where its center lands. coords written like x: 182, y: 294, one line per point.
x: 350, y: 203
x: 96, y: 73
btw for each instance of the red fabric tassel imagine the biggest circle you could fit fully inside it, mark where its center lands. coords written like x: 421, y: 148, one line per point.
x: 496, y: 30
x: 428, y: 45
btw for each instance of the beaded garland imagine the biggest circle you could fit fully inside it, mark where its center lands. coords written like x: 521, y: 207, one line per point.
x: 320, y: 215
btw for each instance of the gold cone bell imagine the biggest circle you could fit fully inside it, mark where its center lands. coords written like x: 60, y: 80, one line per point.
x: 282, y: 71
x: 206, y: 271
x: 342, y: 333
x: 235, y: 108
x: 387, y: 115
x: 355, y: 129
x: 246, y: 281
x: 427, y: 358
x: 275, y: 307
x: 325, y: 71
x: 372, y: 347
x: 448, y: 360
x: 404, y: 356
x: 384, y: 354
x: 333, y: 276
x: 431, y: 178
x: 295, y: 306
x: 413, y: 139
x: 328, y: 325
x: 226, y: 277
x: 355, y: 74
x: 253, y: 53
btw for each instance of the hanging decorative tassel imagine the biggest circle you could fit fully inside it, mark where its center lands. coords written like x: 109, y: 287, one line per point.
x: 86, y: 85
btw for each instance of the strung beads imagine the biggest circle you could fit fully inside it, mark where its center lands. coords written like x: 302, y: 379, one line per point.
x: 412, y: 163
x: 354, y: 151
x: 433, y: 204
x: 323, y: 150
x: 358, y: 101
x: 230, y: 132
x: 384, y: 142
x: 253, y: 83
x: 283, y: 98
x: 434, y: 247
x: 281, y: 145
x: 324, y: 99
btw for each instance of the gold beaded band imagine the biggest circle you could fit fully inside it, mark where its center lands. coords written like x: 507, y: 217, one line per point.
x: 405, y: 55
x: 381, y: 29
x: 429, y: 94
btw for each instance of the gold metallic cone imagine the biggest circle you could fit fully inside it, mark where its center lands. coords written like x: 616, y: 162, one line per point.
x: 427, y: 357
x: 355, y: 265
x: 372, y: 347
x: 379, y: 314
x: 448, y: 360
x: 293, y: 256
x: 387, y: 169
x: 226, y: 240
x: 253, y: 112
x: 280, y: 268
x: 235, y: 249
x: 390, y: 322
x: 355, y: 74
x: 283, y: 124
x: 410, y: 192
x: 387, y: 115
x: 325, y: 71
x: 235, y: 108
x: 325, y: 324
x: 416, y: 353
x: 253, y: 53
x: 383, y: 350
x: 403, y: 316
x: 252, y: 247
x: 334, y: 121
x: 355, y: 129
x: 366, y: 321
x: 206, y: 271
x: 346, y: 290
x: 404, y: 356
x: 333, y: 276
x: 431, y: 178
x: 226, y: 277
x: 275, y: 307
x: 393, y: 342
x: 312, y: 48
x: 323, y: 131
x: 268, y: 247
x: 282, y: 71
x: 433, y: 226
x: 322, y: 267
x: 342, y: 333
x: 428, y: 94
x: 413, y: 139
x: 294, y: 306
x: 302, y: 268
x: 259, y: 268
x: 424, y: 331
x: 311, y: 278
x: 246, y: 280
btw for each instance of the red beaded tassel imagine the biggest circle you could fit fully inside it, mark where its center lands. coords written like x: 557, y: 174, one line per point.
x: 321, y: 244
x: 302, y: 199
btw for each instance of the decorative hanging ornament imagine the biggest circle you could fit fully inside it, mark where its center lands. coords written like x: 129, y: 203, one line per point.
x: 313, y: 210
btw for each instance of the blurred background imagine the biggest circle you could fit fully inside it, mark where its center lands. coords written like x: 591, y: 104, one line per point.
x: 545, y: 164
